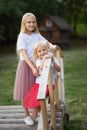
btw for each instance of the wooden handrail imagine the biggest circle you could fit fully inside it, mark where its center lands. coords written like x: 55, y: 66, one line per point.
x: 42, y: 95
x: 47, y: 78
x: 44, y: 79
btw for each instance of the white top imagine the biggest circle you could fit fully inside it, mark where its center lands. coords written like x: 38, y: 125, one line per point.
x: 38, y: 62
x: 27, y: 42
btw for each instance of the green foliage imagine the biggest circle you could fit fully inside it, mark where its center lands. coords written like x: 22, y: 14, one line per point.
x: 10, y: 8
x: 82, y: 29
x: 73, y: 12
x: 11, y: 13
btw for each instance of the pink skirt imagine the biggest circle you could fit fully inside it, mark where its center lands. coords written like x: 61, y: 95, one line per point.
x: 30, y: 100
x: 23, y: 81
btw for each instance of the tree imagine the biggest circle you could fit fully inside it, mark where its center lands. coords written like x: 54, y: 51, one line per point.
x: 73, y: 12
x: 10, y: 12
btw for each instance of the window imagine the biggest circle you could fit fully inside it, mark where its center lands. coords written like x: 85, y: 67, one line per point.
x: 48, y: 23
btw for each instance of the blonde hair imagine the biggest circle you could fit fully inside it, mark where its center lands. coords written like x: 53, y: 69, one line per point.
x: 23, y: 22
x: 38, y: 44
x: 23, y: 29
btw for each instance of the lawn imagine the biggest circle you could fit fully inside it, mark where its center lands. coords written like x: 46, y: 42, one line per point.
x: 8, y: 64
x: 75, y: 66
x: 75, y: 72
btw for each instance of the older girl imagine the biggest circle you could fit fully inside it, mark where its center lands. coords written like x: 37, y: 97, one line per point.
x: 26, y: 71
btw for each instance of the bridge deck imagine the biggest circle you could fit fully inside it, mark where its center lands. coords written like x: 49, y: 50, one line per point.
x: 11, y: 118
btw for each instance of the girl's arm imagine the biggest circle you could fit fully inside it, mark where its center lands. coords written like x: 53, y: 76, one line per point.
x: 56, y: 66
x: 43, y: 60
x: 27, y: 60
x: 42, y: 64
x: 51, y: 46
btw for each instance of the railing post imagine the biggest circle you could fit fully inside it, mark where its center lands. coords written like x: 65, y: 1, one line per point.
x: 44, y: 115
x: 59, y: 55
x: 59, y: 85
x: 56, y: 93
x: 52, y: 107
x: 62, y: 80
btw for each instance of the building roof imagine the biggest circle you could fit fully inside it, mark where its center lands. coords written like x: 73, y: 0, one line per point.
x: 60, y: 22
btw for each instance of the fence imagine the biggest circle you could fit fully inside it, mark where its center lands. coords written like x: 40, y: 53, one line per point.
x: 53, y: 115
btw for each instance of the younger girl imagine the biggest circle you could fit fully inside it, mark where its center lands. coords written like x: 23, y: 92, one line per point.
x: 40, y: 54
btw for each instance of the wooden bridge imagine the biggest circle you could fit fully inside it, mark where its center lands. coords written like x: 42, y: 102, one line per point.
x: 53, y: 115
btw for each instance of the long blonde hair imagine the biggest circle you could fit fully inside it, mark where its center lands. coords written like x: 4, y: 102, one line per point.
x: 38, y: 44
x: 23, y: 29
x: 23, y: 22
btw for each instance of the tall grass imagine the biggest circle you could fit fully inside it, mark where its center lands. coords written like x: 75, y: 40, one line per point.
x: 75, y: 72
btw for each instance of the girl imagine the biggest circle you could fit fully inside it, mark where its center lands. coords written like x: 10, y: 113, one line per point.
x: 40, y: 54
x: 26, y: 71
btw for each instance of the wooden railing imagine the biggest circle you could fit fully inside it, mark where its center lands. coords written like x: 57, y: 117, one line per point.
x: 56, y: 96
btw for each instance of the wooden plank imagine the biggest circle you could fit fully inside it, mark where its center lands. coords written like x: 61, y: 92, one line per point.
x: 44, y: 115
x: 44, y: 78
x: 56, y: 96
x: 43, y: 122
x: 59, y: 77
x: 11, y: 111
x: 11, y: 107
x: 52, y: 107
x: 11, y: 115
x: 62, y: 79
x: 40, y: 123
x: 12, y: 118
x: 17, y: 127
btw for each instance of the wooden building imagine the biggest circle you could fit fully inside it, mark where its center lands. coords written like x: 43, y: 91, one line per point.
x: 56, y: 30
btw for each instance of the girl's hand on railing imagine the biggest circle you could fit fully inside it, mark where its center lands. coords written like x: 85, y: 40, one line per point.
x: 48, y: 56
x: 52, y: 49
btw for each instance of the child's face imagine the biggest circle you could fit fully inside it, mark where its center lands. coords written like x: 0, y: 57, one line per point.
x: 41, y: 51
x: 30, y: 24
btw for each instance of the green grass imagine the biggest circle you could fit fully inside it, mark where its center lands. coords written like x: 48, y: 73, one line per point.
x: 75, y: 72
x: 8, y: 65
x: 75, y: 66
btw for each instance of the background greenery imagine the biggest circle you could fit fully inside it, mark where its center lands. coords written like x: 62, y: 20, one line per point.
x: 73, y: 11
x: 75, y: 73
